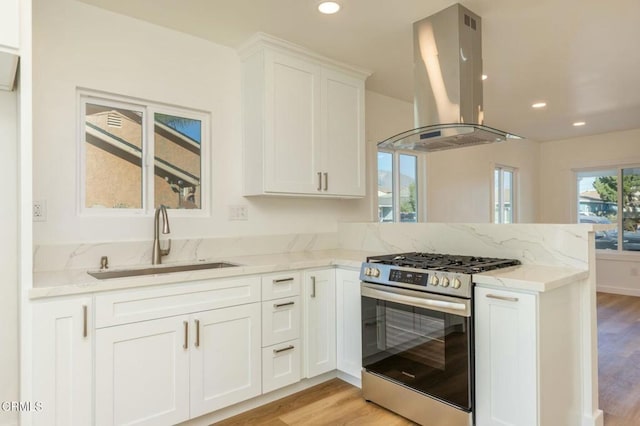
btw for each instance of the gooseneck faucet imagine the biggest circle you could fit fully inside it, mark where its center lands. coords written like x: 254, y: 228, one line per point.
x: 158, y: 252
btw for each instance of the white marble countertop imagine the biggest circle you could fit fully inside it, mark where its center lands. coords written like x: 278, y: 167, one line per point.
x: 76, y: 281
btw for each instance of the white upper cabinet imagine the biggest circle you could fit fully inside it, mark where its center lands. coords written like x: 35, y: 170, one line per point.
x: 303, y: 119
x: 9, y: 42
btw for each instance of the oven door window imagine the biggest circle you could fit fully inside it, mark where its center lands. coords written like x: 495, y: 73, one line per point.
x: 426, y: 350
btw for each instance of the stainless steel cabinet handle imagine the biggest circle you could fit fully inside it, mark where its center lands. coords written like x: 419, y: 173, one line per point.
x: 313, y: 287
x: 280, y: 305
x: 282, y: 280
x: 197, y: 333
x: 288, y: 348
x: 319, y: 181
x: 508, y: 299
x: 326, y: 181
x: 185, y: 345
x: 85, y: 331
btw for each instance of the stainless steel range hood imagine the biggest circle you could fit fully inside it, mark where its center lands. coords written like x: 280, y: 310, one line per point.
x: 448, y: 110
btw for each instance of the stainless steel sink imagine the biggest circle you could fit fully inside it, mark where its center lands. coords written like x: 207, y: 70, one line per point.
x: 159, y: 269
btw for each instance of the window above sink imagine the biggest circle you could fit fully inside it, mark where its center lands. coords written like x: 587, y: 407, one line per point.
x: 136, y: 155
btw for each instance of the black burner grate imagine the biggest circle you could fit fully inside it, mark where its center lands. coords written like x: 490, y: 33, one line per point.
x: 444, y: 262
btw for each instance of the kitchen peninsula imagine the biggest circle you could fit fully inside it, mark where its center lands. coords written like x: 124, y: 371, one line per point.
x: 557, y: 275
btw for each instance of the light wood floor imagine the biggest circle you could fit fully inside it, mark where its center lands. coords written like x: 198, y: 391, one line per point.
x: 338, y: 403
x: 619, y: 359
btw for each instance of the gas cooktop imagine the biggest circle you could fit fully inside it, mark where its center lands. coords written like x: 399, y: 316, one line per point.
x: 431, y: 272
x: 444, y: 262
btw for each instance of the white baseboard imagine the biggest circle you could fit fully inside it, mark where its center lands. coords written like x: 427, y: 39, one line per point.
x: 355, y: 381
x: 618, y: 290
x: 596, y: 420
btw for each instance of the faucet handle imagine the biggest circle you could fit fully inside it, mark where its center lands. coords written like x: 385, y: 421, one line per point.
x: 164, y: 252
x: 104, y: 263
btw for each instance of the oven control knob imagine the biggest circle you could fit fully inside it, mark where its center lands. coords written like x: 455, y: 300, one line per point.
x: 456, y: 283
x: 445, y: 282
x: 434, y: 280
x: 375, y: 272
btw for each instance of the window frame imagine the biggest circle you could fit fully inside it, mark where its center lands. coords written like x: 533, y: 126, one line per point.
x: 421, y: 187
x: 619, y: 252
x: 514, y: 193
x: 148, y: 109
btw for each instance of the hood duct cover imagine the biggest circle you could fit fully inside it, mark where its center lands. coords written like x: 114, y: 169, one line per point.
x: 448, y: 111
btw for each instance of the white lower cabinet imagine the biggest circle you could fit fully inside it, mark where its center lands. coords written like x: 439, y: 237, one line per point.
x: 168, y: 370
x: 281, y: 328
x: 349, y: 322
x: 506, y: 370
x: 319, y: 295
x: 62, y: 364
x: 281, y: 365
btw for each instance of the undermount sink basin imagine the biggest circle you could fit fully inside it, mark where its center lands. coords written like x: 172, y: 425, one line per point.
x: 158, y: 269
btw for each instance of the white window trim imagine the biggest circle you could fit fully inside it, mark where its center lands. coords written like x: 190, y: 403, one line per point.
x: 515, y: 190
x: 421, y: 184
x: 148, y: 108
x: 606, y: 254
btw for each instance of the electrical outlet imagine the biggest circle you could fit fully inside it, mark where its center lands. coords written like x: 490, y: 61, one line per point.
x: 238, y: 213
x: 40, y: 211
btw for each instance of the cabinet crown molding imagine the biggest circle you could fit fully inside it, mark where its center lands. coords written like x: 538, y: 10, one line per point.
x: 262, y: 40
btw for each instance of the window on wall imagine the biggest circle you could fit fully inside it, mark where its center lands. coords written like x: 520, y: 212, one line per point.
x: 504, y: 194
x: 138, y: 156
x: 603, y: 200
x: 397, y: 187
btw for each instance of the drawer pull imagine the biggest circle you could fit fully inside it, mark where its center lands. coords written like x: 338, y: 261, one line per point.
x: 319, y: 181
x: 185, y: 345
x: 197, y: 333
x: 288, y: 348
x: 508, y: 299
x: 313, y: 287
x: 282, y: 280
x: 280, y: 305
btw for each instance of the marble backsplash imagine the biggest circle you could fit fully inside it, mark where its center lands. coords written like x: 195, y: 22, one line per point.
x: 541, y: 244
x: 129, y: 253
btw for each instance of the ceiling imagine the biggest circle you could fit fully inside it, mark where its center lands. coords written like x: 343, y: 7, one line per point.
x: 580, y: 56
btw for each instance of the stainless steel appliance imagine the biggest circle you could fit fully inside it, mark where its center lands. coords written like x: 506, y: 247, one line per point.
x: 417, y: 334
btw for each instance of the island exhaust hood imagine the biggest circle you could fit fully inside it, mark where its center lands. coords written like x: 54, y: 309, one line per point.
x: 447, y: 49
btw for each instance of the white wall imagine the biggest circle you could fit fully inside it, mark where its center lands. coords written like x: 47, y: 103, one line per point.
x: 459, y: 181
x: 8, y: 255
x: 77, y: 45
x: 558, y: 160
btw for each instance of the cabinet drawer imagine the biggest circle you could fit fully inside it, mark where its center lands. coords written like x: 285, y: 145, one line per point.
x: 281, y: 365
x: 280, y: 320
x: 277, y: 286
x: 139, y: 305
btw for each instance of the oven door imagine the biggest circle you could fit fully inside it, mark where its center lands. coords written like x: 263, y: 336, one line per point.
x: 420, y: 340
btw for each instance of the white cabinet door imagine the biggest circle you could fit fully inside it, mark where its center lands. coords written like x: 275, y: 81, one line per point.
x: 62, y: 378
x: 292, y: 152
x: 225, y: 357
x: 303, y: 118
x: 343, y: 133
x: 142, y: 373
x: 320, y: 321
x: 281, y: 365
x: 349, y: 322
x: 506, y: 370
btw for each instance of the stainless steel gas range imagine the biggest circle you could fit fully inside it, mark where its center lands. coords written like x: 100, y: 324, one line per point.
x: 417, y: 334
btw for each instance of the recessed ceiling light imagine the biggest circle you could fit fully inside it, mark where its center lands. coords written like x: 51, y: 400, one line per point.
x: 328, y: 7
x: 579, y: 123
x: 484, y: 77
x: 539, y: 105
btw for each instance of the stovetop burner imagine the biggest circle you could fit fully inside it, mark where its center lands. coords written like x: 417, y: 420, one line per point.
x: 444, y: 262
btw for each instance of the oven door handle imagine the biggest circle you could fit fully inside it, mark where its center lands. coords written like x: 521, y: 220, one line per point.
x: 406, y: 297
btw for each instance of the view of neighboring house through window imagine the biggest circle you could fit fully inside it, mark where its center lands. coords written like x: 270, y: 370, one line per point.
x: 602, y: 200
x: 119, y: 141
x: 397, y: 187
x: 504, y: 194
